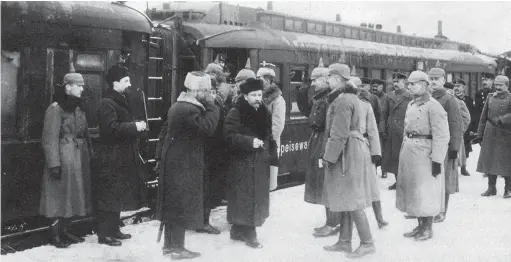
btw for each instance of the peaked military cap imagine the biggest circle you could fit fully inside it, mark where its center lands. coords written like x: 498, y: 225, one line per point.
x: 398, y: 75
x: 459, y: 81
x: 448, y: 85
x: 365, y: 80
x: 377, y: 81
x: 488, y: 75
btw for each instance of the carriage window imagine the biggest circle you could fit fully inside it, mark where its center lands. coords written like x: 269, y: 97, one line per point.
x: 361, y: 72
x: 347, y: 32
x: 377, y: 74
x: 329, y: 30
x: 277, y: 22
x: 10, y: 69
x: 298, y: 73
x: 91, y: 95
x: 337, y: 31
x: 289, y: 24
x: 355, y: 34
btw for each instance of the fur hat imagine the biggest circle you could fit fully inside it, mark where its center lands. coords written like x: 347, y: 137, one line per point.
x: 116, y: 73
x: 340, y: 69
x: 198, y: 80
x: 251, y: 85
x: 245, y: 73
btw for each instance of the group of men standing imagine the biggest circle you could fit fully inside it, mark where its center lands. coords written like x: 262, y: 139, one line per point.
x: 214, y: 130
x: 422, y: 123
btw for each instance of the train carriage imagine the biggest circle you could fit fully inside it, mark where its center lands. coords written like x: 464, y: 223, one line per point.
x: 41, y: 42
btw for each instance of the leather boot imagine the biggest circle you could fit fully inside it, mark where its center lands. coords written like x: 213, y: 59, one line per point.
x: 209, y: 229
x: 251, y: 238
x: 327, y: 211
x: 57, y: 239
x: 345, y: 235
x: 330, y: 229
x: 416, y: 230
x: 237, y: 233
x: 178, y: 253
x: 68, y: 236
x: 507, y: 188
x: 378, y: 214
x: 364, y: 231
x: 427, y: 233
x: 464, y: 171
x: 492, y: 186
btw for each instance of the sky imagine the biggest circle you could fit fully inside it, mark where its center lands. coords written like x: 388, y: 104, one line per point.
x: 486, y: 25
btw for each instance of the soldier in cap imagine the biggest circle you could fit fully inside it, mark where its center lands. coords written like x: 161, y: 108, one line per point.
x: 241, y: 77
x: 420, y: 182
x: 364, y: 85
x: 349, y: 164
x: 364, y: 96
x: 272, y: 98
x: 495, y: 134
x: 120, y: 182
x: 465, y: 117
x: 247, y: 130
x: 66, y: 189
x: 315, y: 172
x: 459, y: 92
x: 482, y: 95
x: 450, y: 105
x: 377, y: 89
x: 190, y: 121
x: 392, y: 123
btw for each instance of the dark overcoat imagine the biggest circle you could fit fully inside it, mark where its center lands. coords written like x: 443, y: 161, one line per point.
x: 248, y: 171
x: 66, y: 145
x: 479, y: 101
x: 496, y: 145
x: 315, y: 174
x: 452, y: 108
x: 180, y: 188
x: 472, y: 127
x: 119, y: 182
x: 392, y: 123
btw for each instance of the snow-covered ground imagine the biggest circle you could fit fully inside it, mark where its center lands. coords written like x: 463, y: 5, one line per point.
x: 476, y: 229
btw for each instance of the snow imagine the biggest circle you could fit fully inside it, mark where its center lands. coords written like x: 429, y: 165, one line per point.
x: 476, y: 229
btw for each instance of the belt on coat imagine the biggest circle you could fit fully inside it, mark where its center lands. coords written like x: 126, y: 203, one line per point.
x: 352, y: 134
x: 412, y: 135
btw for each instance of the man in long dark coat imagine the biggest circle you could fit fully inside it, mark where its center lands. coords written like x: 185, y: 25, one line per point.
x: 190, y: 121
x: 392, y: 123
x: 459, y: 92
x: 495, y: 134
x: 437, y: 79
x: 247, y: 130
x: 482, y: 95
x: 120, y: 182
x: 315, y: 172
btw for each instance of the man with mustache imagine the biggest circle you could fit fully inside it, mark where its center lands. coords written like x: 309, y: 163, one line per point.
x: 459, y: 92
x: 378, y: 90
x: 437, y: 79
x: 482, y: 95
x: 391, y: 124
x: 494, y: 132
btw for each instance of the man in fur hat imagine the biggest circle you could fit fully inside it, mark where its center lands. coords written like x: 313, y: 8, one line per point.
x: 247, y: 130
x: 120, y: 182
x: 272, y: 98
x: 437, y: 79
x: 495, y: 134
x: 180, y: 190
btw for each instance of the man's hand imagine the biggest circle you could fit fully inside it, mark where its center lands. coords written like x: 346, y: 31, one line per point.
x: 141, y: 126
x: 453, y: 154
x: 257, y: 143
x: 376, y: 160
x: 436, y: 168
x: 477, y: 140
x: 55, y: 173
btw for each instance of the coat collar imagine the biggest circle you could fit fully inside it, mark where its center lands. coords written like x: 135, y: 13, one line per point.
x: 421, y: 99
x: 117, y: 97
x: 334, y: 94
x: 503, y: 95
x: 437, y: 93
x: 270, y: 94
x: 321, y: 94
x: 188, y: 98
x: 365, y: 95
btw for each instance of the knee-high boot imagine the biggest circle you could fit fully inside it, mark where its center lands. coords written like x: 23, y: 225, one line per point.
x: 416, y: 230
x: 345, y: 235
x: 177, y: 244
x: 56, y: 231
x: 332, y: 220
x: 507, y: 187
x: 492, y: 186
x: 167, y: 239
x: 427, y: 233
x: 378, y: 214
x: 364, y: 231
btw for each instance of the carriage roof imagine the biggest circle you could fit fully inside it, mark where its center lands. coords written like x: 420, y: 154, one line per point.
x: 104, y: 15
x: 263, y: 37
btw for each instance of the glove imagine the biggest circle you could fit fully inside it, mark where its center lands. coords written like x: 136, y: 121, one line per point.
x: 384, y: 136
x: 55, y: 173
x: 376, y: 160
x: 496, y: 120
x: 156, y: 168
x: 453, y: 154
x: 436, y: 169
x: 477, y: 140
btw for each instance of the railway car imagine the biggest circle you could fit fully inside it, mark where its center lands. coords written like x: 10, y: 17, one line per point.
x: 201, y: 32
x: 41, y: 42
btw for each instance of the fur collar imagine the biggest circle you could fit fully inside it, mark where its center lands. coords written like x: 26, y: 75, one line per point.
x: 270, y: 94
x: 66, y: 102
x: 117, y: 97
x: 258, y: 121
x: 437, y: 93
x: 365, y: 95
x: 188, y: 98
x: 334, y: 94
x: 321, y: 94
